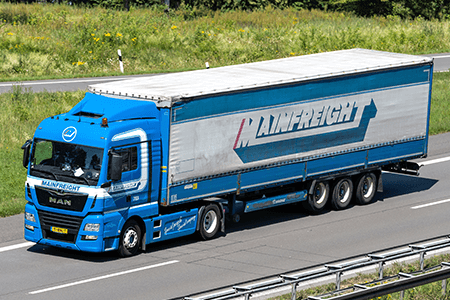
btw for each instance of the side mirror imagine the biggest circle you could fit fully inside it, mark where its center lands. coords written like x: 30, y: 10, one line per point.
x: 26, y: 153
x: 115, y: 166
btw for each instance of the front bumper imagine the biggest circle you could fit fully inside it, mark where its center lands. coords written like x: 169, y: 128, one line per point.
x: 44, y: 232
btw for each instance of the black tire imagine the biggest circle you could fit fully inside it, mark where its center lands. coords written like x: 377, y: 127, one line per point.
x: 130, y: 239
x: 366, y: 188
x: 342, y: 193
x: 319, y: 198
x: 209, y: 222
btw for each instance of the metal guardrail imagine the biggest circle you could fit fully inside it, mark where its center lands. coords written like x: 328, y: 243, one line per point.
x: 403, y: 281
x: 337, y: 269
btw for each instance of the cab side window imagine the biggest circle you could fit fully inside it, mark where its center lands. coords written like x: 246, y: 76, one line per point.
x: 129, y: 158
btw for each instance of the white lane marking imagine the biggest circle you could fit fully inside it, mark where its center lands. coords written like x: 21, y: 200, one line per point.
x: 430, y: 204
x: 443, y: 56
x: 16, y: 246
x: 59, y: 82
x: 435, y: 161
x: 102, y: 277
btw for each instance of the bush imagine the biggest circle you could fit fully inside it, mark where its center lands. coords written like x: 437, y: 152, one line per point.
x: 407, y: 9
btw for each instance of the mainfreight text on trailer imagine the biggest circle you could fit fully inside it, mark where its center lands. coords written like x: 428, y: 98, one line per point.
x: 155, y: 158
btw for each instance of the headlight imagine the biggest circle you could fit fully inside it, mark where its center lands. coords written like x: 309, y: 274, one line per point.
x: 30, y: 217
x: 92, y: 227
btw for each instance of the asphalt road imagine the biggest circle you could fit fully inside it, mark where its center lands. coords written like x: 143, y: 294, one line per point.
x: 442, y: 63
x: 264, y: 243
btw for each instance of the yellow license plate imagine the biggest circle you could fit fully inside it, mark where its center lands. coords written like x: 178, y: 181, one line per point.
x: 59, y: 230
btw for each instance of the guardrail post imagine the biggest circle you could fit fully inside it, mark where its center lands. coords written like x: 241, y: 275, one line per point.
x: 422, y: 259
x: 294, y: 291
x: 380, y: 270
x: 338, y: 280
x: 444, y: 281
x: 402, y: 294
x: 444, y: 287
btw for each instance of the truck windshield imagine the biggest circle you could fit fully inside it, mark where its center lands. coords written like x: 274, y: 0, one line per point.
x: 66, y: 162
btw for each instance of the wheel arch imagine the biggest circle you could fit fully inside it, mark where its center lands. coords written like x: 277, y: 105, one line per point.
x: 204, y: 204
x: 142, y: 226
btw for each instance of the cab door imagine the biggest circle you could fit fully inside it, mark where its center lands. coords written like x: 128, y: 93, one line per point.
x: 132, y: 188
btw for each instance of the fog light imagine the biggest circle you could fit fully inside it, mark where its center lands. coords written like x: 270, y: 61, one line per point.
x: 89, y: 237
x: 92, y: 227
x: 29, y: 227
x: 30, y: 217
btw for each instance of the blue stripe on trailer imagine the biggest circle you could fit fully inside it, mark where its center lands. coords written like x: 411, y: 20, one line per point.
x: 303, y: 91
x: 321, y: 166
x: 275, y: 201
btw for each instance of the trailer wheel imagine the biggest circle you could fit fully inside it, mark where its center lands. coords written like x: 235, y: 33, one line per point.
x: 209, y: 222
x: 342, y: 193
x: 318, y: 199
x: 130, y: 239
x: 366, y: 189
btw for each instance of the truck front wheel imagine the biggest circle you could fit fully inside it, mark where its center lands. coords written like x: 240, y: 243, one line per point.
x: 130, y: 239
x: 209, y: 222
x: 366, y: 189
x: 319, y: 197
x: 342, y: 193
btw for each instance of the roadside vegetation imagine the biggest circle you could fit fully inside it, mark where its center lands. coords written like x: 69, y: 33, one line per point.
x: 432, y: 291
x: 55, y: 40
x: 21, y: 111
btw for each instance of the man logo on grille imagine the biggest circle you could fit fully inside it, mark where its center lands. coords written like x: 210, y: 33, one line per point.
x: 60, y: 201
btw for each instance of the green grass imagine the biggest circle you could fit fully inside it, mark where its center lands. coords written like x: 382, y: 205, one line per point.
x: 440, y: 105
x: 39, y: 40
x: 20, y: 114
x: 430, y: 291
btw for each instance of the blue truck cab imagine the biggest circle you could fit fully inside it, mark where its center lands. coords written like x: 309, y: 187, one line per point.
x: 154, y: 158
x: 101, y: 165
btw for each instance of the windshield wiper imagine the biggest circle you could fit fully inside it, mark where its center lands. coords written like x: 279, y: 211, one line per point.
x: 47, y: 172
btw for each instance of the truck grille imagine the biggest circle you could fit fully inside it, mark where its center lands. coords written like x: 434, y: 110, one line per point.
x: 57, y: 222
x: 61, y: 199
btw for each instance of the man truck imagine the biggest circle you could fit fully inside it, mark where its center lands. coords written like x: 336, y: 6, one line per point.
x: 154, y: 158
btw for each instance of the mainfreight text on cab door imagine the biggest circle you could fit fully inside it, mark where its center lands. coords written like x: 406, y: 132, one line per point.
x: 154, y: 158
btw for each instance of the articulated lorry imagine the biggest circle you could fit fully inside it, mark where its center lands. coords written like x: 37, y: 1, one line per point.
x: 155, y: 158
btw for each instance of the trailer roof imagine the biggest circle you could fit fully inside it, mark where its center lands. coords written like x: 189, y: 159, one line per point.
x: 168, y: 88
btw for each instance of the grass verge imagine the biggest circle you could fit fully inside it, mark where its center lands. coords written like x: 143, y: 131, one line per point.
x: 40, y: 40
x: 20, y: 114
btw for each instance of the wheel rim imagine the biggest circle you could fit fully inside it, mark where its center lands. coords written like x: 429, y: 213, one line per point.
x: 320, y: 193
x: 130, y: 238
x: 210, y: 221
x: 344, y: 192
x: 368, y: 187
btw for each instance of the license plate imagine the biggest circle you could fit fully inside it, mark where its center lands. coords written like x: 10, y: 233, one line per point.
x: 59, y: 230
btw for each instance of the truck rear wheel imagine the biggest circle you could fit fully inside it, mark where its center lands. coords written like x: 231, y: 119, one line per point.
x: 319, y: 197
x: 130, y: 239
x: 366, y: 189
x: 209, y: 222
x: 342, y: 193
